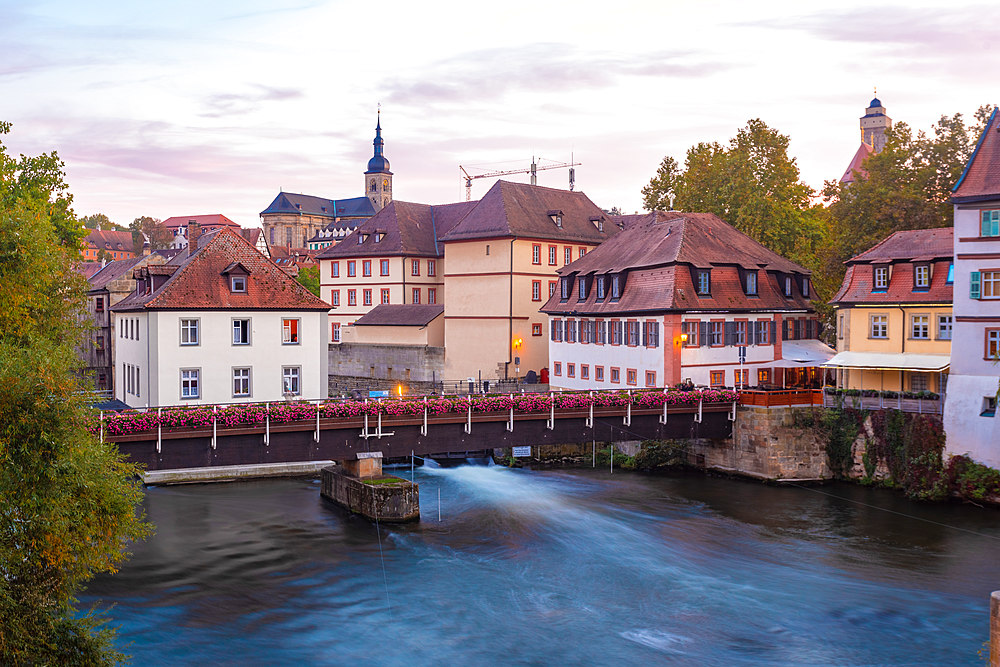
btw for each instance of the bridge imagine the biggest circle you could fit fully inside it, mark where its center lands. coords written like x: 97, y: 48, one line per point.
x: 210, y: 436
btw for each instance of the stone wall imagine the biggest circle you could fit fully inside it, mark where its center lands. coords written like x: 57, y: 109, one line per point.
x: 414, y: 363
x: 396, y: 501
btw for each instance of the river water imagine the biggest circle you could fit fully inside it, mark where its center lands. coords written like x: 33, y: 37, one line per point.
x: 558, y: 567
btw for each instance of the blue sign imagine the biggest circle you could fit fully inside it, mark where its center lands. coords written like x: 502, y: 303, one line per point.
x: 379, y: 394
x: 522, y: 451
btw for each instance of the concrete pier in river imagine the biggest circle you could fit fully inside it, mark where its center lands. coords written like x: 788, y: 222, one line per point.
x: 360, y: 486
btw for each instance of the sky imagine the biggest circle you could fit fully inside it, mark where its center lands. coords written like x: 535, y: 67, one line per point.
x: 178, y: 108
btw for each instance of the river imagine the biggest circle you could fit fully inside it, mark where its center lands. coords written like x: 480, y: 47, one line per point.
x: 557, y: 567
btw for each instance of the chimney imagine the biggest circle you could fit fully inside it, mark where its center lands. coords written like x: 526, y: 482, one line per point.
x: 194, y: 232
x: 145, y: 247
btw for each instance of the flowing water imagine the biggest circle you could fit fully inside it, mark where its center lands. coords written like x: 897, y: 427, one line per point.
x: 574, y: 567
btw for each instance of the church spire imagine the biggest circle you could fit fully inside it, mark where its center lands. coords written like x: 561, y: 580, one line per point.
x: 378, y: 178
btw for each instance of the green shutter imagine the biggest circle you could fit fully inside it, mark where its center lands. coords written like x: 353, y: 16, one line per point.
x: 974, y: 285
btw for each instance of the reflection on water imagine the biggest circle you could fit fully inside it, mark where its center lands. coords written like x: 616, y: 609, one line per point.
x: 570, y: 567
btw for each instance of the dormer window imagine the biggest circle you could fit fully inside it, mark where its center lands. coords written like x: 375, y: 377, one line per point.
x: 556, y: 217
x: 581, y: 288
x: 805, y: 287
x: 951, y: 273
x: 362, y: 238
x: 616, y: 287
x: 704, y: 285
x: 238, y: 283
x: 599, y: 282
x: 564, y: 288
x: 880, y: 279
x: 599, y: 223
x: 921, y: 276
x: 788, y: 286
x: 750, y: 283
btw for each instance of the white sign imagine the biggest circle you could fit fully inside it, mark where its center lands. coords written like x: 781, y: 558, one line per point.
x: 522, y: 451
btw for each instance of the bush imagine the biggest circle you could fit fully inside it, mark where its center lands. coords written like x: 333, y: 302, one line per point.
x: 660, y: 454
x: 972, y: 481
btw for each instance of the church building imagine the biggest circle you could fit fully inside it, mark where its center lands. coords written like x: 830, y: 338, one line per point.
x: 873, y: 128
x: 299, y: 221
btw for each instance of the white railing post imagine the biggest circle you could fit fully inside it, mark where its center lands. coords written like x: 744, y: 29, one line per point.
x: 732, y: 414
x: 423, y: 429
x: 100, y: 421
x: 663, y: 419
x: 364, y: 431
x: 551, y: 423
x: 628, y: 412
x: 590, y: 418
x: 468, y: 419
x: 159, y: 430
x: 316, y: 437
x: 510, y: 420
x: 215, y: 412
x: 267, y: 424
x: 697, y: 417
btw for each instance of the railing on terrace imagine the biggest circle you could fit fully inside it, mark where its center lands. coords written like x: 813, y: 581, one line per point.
x: 885, y: 401
x: 211, y: 418
x: 781, y: 397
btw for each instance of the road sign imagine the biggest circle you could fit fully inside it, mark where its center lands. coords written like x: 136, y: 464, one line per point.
x: 743, y: 353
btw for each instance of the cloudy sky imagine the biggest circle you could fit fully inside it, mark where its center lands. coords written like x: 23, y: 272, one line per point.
x: 181, y: 108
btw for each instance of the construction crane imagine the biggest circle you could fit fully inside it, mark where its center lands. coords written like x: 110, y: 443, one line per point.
x: 533, y: 170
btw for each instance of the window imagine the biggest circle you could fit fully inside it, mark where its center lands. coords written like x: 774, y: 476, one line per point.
x: 431, y: 295
x: 241, y: 332
x: 881, y: 278
x: 190, y: 385
x: 290, y: 380
x: 616, y: 332
x: 564, y: 288
x: 630, y: 376
x: 740, y: 377
x: 988, y: 284
x: 536, y: 329
x: 581, y: 252
x: 241, y: 382
x: 599, y: 373
x: 992, y: 337
x: 366, y: 267
x: 557, y: 368
x: 990, y: 223
x: 570, y: 331
x: 989, y: 406
x: 567, y: 256
x: 415, y: 295
x: 552, y: 287
x: 189, y: 332
x: 336, y: 332
x: 99, y: 343
x: 556, y: 332
x: 951, y: 274
x: 385, y: 296
x: 689, y: 328
x: 352, y: 269
x: 918, y: 382
x: 650, y: 378
x: 788, y: 286
x: 805, y: 287
x: 584, y: 372
x: 920, y: 326
x: 879, y: 326
x: 237, y: 283
x: 840, y: 327
x: 751, y: 283
x: 717, y: 378
x: 536, y: 254
x: 763, y: 376
x: 335, y: 270
x: 352, y: 297
x: 599, y: 284
x: 487, y: 248
x: 615, y: 375
x: 99, y: 304
x: 366, y: 296
x: 651, y: 333
x: 585, y: 331
x: 570, y: 370
x: 289, y: 331
x: 921, y: 276
x: 581, y: 283
x: 632, y: 331
x: 762, y: 326
x: 944, y: 327
x: 383, y: 267
x: 431, y: 267
x: 536, y: 290
x: 414, y: 268
x: 740, y: 335
x: 704, y: 282
x: 552, y: 255
x: 335, y: 297
x: 715, y: 334
x: 616, y: 287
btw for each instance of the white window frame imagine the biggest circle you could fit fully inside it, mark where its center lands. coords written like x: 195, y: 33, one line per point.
x: 236, y: 330
x: 238, y: 284
x: 993, y: 282
x: 291, y: 380
x: 878, y: 326
x: 245, y: 379
x: 944, y: 326
x: 286, y: 332
x: 881, y: 278
x: 751, y: 283
x: 190, y: 380
x: 190, y: 331
x: 704, y: 286
x: 920, y: 326
x: 922, y: 276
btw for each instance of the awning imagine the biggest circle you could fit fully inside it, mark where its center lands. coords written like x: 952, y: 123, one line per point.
x: 890, y: 361
x: 803, y: 353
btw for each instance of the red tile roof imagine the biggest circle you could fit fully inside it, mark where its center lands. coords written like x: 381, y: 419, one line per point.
x: 516, y: 209
x: 199, y: 284
x: 400, y: 315
x: 910, y: 245
x: 108, y: 239
x: 981, y: 179
x: 857, y: 164
x: 212, y: 221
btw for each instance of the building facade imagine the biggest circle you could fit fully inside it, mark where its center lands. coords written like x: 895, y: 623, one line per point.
x: 676, y: 297
x: 894, y: 314
x: 178, y: 226
x: 970, y: 415
x: 219, y: 324
x: 106, y: 244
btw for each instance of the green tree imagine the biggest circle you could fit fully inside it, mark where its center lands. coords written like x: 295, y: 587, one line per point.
x: 309, y: 278
x: 153, y: 229
x: 68, y: 503
x: 95, y: 219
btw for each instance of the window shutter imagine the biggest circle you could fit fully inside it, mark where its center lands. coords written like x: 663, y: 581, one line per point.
x: 645, y: 334
x: 974, y: 279
x: 784, y: 330
x: 774, y: 331
x: 729, y: 333
x: 656, y: 334
x: 703, y: 333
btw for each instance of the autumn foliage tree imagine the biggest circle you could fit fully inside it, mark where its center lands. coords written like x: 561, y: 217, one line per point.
x: 68, y: 503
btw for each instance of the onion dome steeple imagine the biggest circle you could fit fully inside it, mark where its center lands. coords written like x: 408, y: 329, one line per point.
x: 378, y: 178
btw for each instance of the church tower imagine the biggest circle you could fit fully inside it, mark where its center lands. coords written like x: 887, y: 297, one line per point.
x: 874, y: 124
x: 378, y: 178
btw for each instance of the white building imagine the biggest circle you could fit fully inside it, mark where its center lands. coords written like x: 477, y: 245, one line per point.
x: 221, y: 324
x: 970, y: 419
x: 674, y: 297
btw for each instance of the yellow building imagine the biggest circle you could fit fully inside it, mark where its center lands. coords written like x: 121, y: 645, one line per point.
x: 893, y: 314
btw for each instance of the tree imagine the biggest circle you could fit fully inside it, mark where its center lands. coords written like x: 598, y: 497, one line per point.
x: 145, y: 227
x: 95, y: 219
x: 751, y: 183
x: 68, y: 503
x: 309, y: 278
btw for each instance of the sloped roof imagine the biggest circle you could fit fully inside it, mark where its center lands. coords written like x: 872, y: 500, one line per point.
x: 400, y: 315
x: 405, y: 228
x: 87, y: 269
x: 112, y: 271
x: 910, y: 245
x: 109, y: 239
x: 857, y: 163
x: 198, y: 283
x: 211, y: 220
x: 252, y: 234
x: 517, y: 209
x: 981, y: 179
x: 291, y: 202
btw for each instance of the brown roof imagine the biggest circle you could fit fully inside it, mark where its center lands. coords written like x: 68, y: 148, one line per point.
x: 252, y: 234
x: 87, y: 269
x: 981, y: 179
x: 656, y: 253
x: 108, y: 239
x: 199, y: 283
x: 517, y: 209
x: 400, y: 315
x: 914, y: 244
x: 112, y: 271
x: 857, y: 164
x: 206, y: 221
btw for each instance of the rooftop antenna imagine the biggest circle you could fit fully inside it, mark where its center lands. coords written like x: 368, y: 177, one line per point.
x: 572, y: 173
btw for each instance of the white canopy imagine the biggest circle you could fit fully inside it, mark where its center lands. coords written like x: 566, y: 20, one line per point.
x: 802, y: 353
x: 890, y: 361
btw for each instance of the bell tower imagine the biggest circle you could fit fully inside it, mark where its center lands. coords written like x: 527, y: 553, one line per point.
x: 378, y: 178
x: 874, y: 124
